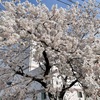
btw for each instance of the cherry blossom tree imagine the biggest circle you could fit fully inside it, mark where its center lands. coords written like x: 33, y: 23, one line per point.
x: 66, y: 38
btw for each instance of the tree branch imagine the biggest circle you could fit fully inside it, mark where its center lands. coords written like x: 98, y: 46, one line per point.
x: 47, y: 65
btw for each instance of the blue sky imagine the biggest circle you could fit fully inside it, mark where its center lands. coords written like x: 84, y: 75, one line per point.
x: 49, y: 3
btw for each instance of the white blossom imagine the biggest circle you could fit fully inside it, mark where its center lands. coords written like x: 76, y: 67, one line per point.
x: 65, y: 38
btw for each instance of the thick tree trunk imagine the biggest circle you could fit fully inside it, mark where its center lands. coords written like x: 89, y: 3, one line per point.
x: 56, y: 98
x: 51, y: 96
x: 61, y: 94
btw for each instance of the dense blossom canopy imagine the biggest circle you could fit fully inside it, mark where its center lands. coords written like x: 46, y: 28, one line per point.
x: 70, y: 38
